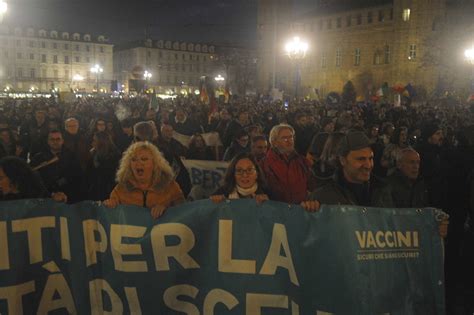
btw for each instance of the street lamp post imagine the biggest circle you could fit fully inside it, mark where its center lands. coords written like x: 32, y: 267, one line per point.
x: 97, y: 70
x: 3, y: 9
x: 469, y: 54
x: 146, y: 75
x: 219, y: 79
x: 296, y: 50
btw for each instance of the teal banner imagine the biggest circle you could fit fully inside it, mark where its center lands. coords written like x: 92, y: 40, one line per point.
x: 233, y: 258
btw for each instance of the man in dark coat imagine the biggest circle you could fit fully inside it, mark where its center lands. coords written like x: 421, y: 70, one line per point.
x: 407, y: 187
x: 76, y: 142
x: 303, y: 133
x: 59, y: 168
x: 236, y: 126
x: 353, y: 182
x: 183, y: 124
x: 33, y: 133
x: 432, y: 168
x: 167, y: 140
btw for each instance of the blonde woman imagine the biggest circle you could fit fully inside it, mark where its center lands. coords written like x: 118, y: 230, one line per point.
x: 145, y: 178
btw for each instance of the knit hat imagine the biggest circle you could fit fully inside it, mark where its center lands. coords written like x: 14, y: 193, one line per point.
x: 354, y: 140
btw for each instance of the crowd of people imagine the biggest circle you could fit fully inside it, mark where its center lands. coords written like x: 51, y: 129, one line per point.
x: 122, y: 151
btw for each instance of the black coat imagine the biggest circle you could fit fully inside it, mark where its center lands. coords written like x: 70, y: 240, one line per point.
x: 374, y: 193
x: 406, y: 193
x: 100, y: 175
x: 65, y: 175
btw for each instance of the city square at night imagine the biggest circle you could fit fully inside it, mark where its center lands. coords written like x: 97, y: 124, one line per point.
x: 237, y: 157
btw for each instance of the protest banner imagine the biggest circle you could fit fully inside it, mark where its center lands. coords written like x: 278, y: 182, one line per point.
x: 206, y: 176
x: 236, y: 257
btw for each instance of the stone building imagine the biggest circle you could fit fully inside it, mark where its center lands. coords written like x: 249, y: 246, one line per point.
x: 175, y: 67
x: 420, y: 42
x: 40, y: 60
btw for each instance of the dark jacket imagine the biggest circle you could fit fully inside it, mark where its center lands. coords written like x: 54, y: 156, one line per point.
x: 204, y: 154
x: 303, y: 137
x: 182, y: 175
x: 374, y: 193
x: 100, y: 175
x: 406, y: 193
x: 432, y: 169
x: 78, y: 144
x: 234, y: 149
x: 34, y: 137
x: 233, y: 129
x: 188, y: 127
x: 64, y: 175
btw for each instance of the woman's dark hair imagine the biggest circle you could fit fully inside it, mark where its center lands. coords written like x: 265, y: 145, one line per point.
x: 106, y: 146
x: 20, y: 174
x: 229, y: 179
x: 193, y: 140
x: 395, y: 139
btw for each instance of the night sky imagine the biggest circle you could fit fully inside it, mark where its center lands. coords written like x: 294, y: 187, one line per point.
x: 212, y: 21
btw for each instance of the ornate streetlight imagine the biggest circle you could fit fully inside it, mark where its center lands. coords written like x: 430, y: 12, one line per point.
x: 469, y: 54
x: 296, y: 50
x: 146, y: 75
x: 97, y: 70
x: 3, y: 9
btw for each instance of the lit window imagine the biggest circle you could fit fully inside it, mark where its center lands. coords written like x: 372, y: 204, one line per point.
x: 406, y: 15
x: 387, y: 54
x: 412, y: 52
x: 338, y: 57
x: 357, y: 57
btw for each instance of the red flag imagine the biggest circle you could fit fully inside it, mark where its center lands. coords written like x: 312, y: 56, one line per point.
x: 203, y: 95
x: 226, y: 95
x: 213, y: 106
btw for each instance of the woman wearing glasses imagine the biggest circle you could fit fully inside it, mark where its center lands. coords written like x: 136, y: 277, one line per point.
x: 244, y: 179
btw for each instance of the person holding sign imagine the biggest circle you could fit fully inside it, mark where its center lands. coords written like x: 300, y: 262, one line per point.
x: 145, y: 178
x: 245, y: 179
x: 353, y: 182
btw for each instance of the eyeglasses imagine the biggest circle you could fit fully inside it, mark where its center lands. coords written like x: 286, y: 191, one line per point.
x: 249, y: 171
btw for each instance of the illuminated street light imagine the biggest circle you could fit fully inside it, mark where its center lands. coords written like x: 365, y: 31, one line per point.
x: 3, y: 9
x: 219, y: 78
x: 296, y: 50
x: 147, y: 75
x: 469, y: 54
x: 97, y: 70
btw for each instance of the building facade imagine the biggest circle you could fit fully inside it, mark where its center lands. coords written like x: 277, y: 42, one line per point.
x: 39, y: 60
x: 175, y: 67
x: 399, y: 42
x: 239, y: 67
